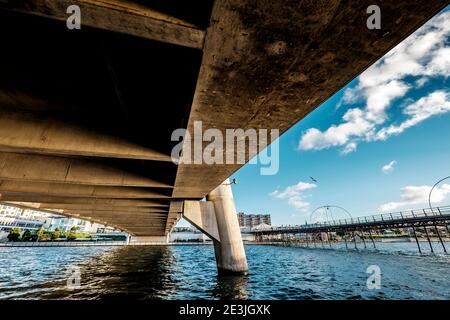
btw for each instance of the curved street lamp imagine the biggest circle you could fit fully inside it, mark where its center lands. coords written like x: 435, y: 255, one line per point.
x: 432, y: 188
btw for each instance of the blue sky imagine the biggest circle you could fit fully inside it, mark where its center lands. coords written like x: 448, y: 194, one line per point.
x: 377, y: 145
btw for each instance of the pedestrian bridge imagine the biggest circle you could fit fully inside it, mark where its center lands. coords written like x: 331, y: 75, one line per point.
x: 419, y: 219
x: 87, y: 115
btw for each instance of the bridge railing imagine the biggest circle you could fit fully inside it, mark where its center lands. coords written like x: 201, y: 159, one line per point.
x: 385, y: 217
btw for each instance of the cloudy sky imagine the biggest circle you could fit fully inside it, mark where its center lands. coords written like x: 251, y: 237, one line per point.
x: 378, y: 145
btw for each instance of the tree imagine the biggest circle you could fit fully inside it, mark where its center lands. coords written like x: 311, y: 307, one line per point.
x: 72, y: 235
x: 55, y: 234
x: 39, y: 233
x: 14, y: 234
x: 26, y: 236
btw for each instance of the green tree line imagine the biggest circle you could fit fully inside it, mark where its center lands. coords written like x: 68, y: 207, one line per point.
x: 16, y: 234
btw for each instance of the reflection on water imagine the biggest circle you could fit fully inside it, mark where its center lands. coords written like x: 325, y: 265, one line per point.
x: 230, y: 287
x: 189, y: 272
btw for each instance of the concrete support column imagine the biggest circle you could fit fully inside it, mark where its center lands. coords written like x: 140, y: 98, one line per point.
x: 230, y: 254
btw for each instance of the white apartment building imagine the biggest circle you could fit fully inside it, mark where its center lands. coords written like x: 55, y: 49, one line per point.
x: 15, y: 217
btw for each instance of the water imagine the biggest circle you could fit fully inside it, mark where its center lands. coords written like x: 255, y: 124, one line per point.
x: 189, y: 272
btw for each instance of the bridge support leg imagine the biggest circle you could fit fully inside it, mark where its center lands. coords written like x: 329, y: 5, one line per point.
x: 230, y: 254
x: 364, y: 240
x: 428, y: 238
x: 440, y: 238
x: 371, y: 238
x: 417, y: 240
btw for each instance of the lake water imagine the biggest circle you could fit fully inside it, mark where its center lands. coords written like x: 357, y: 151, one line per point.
x: 189, y: 272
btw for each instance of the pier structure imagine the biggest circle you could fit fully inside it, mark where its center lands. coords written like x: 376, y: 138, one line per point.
x: 421, y: 220
x: 88, y: 112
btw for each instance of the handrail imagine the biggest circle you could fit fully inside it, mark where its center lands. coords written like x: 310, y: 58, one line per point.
x: 385, y: 217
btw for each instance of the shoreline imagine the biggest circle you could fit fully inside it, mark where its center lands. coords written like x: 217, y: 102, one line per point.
x: 124, y: 243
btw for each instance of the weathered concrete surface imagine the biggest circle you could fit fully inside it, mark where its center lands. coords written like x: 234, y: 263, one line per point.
x: 132, y: 204
x: 143, y: 240
x: 202, y: 215
x: 39, y: 168
x: 117, y: 15
x: 74, y: 190
x: 230, y: 253
x: 49, y: 136
x: 267, y: 64
x: 174, y: 215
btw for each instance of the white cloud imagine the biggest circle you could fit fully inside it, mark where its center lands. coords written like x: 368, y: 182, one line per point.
x: 414, y: 195
x: 295, y: 195
x: 421, y: 82
x: 422, y: 55
x: 351, y: 147
x: 435, y: 103
x: 388, y: 168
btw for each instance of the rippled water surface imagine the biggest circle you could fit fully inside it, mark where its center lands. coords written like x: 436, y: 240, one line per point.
x: 189, y: 272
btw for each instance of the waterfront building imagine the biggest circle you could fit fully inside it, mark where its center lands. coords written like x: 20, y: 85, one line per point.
x: 30, y: 219
x: 187, y: 234
x: 65, y: 224
x: 253, y: 220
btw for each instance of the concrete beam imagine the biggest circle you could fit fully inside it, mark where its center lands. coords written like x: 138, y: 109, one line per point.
x: 121, y: 16
x: 145, y: 227
x: 144, y: 240
x: 52, y: 169
x: 175, y: 210
x: 86, y: 201
x: 201, y: 214
x: 74, y: 190
x: 80, y: 207
x: 119, y: 212
x: 126, y: 224
x: 25, y: 132
x: 122, y: 222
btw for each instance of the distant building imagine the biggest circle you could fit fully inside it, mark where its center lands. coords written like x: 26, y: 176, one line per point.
x: 29, y: 219
x: 65, y: 224
x: 187, y: 234
x: 253, y: 220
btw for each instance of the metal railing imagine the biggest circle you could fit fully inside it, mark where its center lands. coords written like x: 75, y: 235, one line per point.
x: 377, y: 218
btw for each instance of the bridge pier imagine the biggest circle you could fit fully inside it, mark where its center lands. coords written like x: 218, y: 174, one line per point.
x: 428, y: 238
x: 417, y: 240
x: 217, y: 218
x: 364, y: 240
x: 440, y: 238
x: 230, y: 254
x: 371, y: 238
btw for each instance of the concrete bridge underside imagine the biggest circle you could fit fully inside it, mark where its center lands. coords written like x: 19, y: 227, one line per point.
x: 86, y: 116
